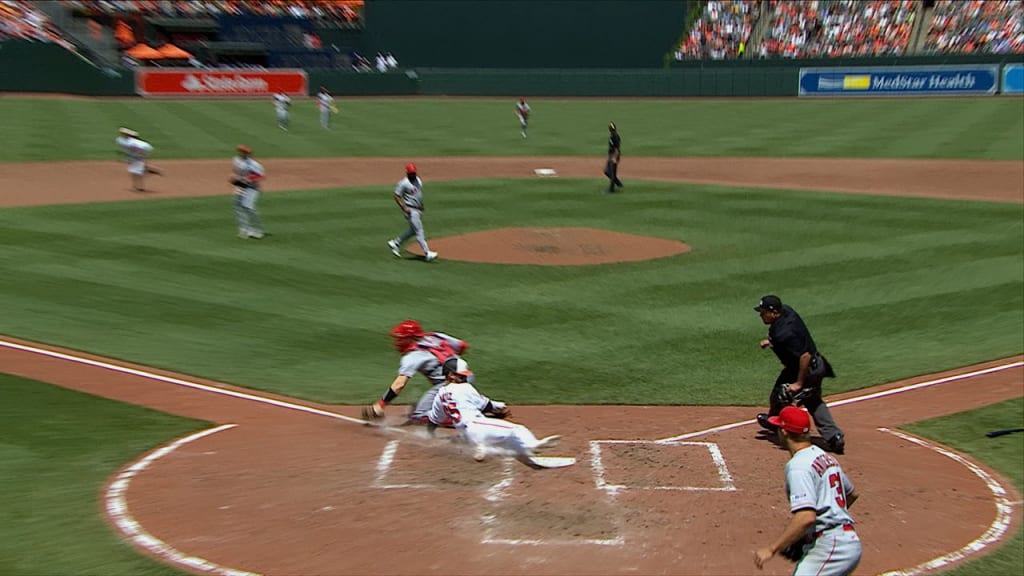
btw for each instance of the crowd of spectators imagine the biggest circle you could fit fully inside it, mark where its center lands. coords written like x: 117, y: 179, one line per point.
x: 722, y: 31
x: 19, y: 20
x: 349, y: 11
x: 975, y: 26
x: 838, y: 28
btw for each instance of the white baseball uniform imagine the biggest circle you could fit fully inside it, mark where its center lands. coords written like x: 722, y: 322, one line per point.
x: 282, y: 102
x: 426, y: 358
x: 814, y: 480
x: 249, y: 224
x: 410, y: 191
x: 136, y: 151
x: 459, y: 405
x: 325, y: 102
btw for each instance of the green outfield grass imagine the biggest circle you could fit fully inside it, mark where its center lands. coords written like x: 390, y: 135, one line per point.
x: 965, y: 432
x: 57, y: 448
x: 891, y: 287
x: 980, y: 128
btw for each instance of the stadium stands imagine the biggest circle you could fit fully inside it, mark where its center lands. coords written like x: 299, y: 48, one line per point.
x: 722, y: 31
x: 19, y: 20
x: 838, y: 28
x: 327, y: 10
x: 975, y: 26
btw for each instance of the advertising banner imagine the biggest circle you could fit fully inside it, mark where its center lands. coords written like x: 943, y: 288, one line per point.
x: 219, y: 83
x: 1013, y: 79
x: 900, y: 81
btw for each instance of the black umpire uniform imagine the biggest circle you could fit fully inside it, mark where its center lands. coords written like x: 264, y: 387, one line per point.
x: 789, y: 338
x: 611, y: 168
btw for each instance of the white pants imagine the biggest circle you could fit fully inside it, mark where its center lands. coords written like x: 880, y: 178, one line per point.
x: 501, y: 435
x: 137, y: 167
x: 835, y: 553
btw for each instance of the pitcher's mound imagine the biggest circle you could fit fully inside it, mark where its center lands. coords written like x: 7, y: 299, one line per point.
x: 553, y: 247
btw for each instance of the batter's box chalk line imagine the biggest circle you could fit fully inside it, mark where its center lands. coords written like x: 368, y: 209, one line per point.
x: 726, y: 483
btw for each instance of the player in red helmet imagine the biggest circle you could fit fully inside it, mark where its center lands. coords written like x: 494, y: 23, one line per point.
x: 409, y: 197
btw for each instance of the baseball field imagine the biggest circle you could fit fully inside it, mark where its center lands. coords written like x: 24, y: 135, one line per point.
x: 894, y: 226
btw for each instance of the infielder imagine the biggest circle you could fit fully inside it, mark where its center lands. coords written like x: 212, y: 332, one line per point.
x: 459, y: 405
x: 820, y: 536
x: 246, y: 177
x: 282, y: 102
x: 325, y: 102
x: 423, y: 353
x: 409, y: 197
x: 523, y: 113
x: 135, y: 151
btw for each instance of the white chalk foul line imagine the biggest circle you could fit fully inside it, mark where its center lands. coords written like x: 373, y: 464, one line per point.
x: 995, y: 531
x: 856, y: 399
x: 183, y: 383
x: 117, y: 508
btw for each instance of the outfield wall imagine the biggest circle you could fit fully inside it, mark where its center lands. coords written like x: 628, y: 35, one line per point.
x: 37, y: 67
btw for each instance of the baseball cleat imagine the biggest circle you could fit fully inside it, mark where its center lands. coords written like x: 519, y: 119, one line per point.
x: 548, y: 441
x: 394, y: 248
x: 762, y: 419
x: 431, y: 256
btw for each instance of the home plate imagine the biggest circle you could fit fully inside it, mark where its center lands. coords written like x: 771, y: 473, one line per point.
x: 553, y: 461
x: 545, y: 172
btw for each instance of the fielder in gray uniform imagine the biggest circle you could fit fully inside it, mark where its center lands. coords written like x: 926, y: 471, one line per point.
x: 246, y: 177
x: 409, y: 197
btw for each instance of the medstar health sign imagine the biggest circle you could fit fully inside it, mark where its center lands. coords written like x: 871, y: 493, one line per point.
x: 905, y: 81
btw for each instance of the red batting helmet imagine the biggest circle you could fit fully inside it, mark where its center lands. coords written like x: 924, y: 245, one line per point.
x: 407, y: 329
x: 410, y: 168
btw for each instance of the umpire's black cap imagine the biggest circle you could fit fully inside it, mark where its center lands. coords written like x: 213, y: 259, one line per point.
x: 769, y: 302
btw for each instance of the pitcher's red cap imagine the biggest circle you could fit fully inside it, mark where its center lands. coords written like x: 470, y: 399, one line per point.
x: 245, y: 149
x: 792, y: 419
x: 410, y: 168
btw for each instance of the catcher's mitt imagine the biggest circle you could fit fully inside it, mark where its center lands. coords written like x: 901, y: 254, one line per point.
x: 794, y: 552
x: 372, y: 413
x: 788, y: 398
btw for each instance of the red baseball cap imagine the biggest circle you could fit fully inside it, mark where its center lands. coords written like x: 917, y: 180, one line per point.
x: 244, y: 149
x: 410, y: 168
x: 792, y: 419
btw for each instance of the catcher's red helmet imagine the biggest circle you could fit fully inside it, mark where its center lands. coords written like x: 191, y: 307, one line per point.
x: 407, y: 329
x: 410, y: 168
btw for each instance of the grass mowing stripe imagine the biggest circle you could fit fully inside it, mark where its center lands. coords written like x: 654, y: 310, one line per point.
x: 982, y: 128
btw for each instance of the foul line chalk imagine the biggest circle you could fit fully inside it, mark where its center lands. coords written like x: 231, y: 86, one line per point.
x: 117, y: 508
x: 856, y: 399
x: 995, y: 531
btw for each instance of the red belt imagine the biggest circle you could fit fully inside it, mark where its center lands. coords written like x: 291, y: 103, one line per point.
x: 846, y: 528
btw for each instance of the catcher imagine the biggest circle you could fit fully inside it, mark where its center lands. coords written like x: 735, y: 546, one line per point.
x: 523, y: 113
x: 246, y: 178
x: 820, y: 537
x: 422, y: 353
x: 459, y: 405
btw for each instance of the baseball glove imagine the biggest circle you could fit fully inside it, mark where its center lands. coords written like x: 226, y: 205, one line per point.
x: 788, y: 398
x: 794, y: 552
x: 372, y: 413
x: 236, y: 181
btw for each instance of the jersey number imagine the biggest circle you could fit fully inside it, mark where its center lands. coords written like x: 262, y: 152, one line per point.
x: 453, y: 411
x: 836, y: 482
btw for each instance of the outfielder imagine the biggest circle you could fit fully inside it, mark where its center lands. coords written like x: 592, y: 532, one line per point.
x: 282, y: 102
x: 246, y: 178
x: 820, y: 537
x: 409, y: 197
x: 523, y: 113
x: 459, y: 405
x: 135, y: 151
x: 325, y: 102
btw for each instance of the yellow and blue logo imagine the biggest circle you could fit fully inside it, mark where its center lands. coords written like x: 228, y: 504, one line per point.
x: 858, y: 82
